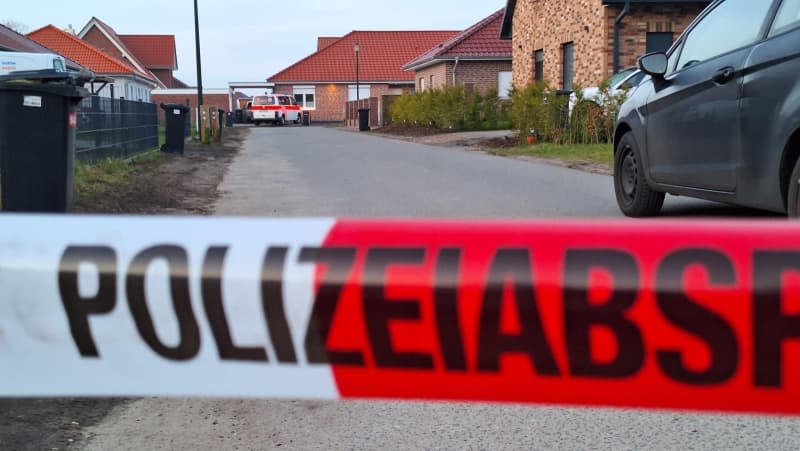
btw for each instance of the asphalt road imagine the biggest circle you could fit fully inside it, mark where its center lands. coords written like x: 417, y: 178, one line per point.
x: 323, y: 172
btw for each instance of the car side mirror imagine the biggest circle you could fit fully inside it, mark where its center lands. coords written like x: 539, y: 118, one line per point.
x: 654, y: 64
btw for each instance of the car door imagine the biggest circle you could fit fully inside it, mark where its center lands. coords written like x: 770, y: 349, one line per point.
x: 770, y: 106
x: 693, y: 121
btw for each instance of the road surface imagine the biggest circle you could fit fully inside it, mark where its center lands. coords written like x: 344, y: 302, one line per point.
x: 324, y: 172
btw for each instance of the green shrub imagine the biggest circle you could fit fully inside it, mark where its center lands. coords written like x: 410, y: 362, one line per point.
x: 452, y: 108
x: 590, y: 121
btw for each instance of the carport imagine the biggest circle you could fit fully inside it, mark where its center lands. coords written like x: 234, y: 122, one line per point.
x: 236, y: 85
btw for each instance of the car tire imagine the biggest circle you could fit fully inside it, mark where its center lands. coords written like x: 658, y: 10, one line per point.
x: 635, y: 197
x: 282, y: 120
x: 793, y: 202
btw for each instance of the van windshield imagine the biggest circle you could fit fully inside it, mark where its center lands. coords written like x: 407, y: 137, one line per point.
x: 264, y: 100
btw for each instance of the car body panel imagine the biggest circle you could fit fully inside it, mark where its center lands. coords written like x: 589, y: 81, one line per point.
x: 729, y: 144
x: 703, y: 154
x: 770, y: 95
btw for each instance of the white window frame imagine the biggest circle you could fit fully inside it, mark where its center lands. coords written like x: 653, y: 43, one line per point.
x: 421, y: 84
x: 306, y: 90
x: 504, y: 84
x: 365, y: 92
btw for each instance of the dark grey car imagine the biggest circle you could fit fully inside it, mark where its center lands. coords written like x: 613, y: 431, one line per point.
x: 719, y: 118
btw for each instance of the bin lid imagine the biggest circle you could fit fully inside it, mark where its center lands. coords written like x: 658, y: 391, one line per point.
x: 49, y: 76
x: 67, y: 84
x: 174, y: 106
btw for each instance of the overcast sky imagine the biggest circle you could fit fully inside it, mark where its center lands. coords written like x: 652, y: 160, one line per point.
x: 249, y: 40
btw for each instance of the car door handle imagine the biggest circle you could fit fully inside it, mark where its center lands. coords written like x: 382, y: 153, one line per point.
x: 724, y: 75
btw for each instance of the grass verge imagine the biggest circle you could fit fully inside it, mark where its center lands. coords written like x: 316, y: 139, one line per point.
x: 94, y: 179
x: 600, y: 154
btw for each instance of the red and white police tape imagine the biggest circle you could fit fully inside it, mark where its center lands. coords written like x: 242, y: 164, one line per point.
x: 672, y: 315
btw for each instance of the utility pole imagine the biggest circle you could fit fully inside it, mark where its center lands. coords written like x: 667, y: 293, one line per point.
x: 197, y: 51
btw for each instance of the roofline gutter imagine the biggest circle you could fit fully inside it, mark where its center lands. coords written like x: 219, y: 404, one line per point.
x: 434, y: 61
x: 506, y: 29
x: 339, y: 82
x: 617, y: 27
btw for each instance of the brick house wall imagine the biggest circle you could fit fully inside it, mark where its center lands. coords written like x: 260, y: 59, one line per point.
x: 481, y: 75
x: 218, y: 100
x: 644, y: 19
x: 442, y: 75
x: 166, y: 77
x: 331, y: 98
x: 549, y: 24
x: 96, y: 38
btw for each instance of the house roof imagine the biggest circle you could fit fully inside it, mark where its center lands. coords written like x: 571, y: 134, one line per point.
x: 82, y: 52
x: 179, y: 84
x: 12, y: 41
x: 326, y: 41
x: 382, y: 56
x: 508, y: 19
x: 112, y: 35
x: 154, y: 51
x: 479, y: 42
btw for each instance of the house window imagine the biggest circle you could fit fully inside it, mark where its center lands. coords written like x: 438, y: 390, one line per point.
x: 568, y: 69
x: 504, y: 84
x: 305, y: 97
x: 659, y: 42
x: 421, y: 84
x: 433, y: 82
x: 364, y: 92
x: 538, y: 65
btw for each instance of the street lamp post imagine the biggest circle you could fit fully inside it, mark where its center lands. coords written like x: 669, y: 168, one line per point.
x: 358, y: 80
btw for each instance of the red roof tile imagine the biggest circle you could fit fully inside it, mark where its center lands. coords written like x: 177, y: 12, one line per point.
x: 72, y: 47
x: 325, y: 41
x: 129, y: 55
x: 382, y: 56
x: 15, y: 42
x: 481, y: 40
x: 154, y: 51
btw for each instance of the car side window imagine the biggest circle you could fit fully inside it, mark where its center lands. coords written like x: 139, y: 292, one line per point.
x: 730, y: 25
x: 788, y: 17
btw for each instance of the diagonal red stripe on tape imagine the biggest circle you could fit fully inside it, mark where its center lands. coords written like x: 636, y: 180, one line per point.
x: 645, y: 314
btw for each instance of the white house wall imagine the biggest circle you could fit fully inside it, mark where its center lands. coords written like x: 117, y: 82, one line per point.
x: 127, y: 88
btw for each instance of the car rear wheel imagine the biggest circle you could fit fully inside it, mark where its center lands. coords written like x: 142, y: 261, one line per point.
x: 793, y: 203
x: 634, y: 196
x: 282, y: 120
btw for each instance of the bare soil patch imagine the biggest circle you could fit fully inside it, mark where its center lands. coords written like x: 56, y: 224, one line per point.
x: 165, y: 184
x: 170, y: 184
